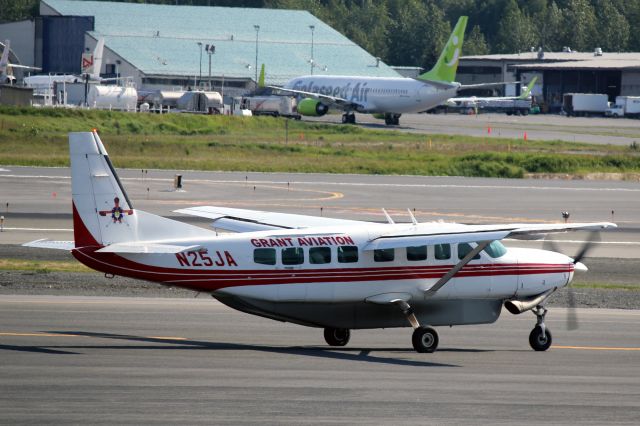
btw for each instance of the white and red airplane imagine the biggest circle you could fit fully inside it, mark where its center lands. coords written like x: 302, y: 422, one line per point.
x: 315, y: 271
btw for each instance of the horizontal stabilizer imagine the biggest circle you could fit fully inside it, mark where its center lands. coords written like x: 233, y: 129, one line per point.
x: 50, y: 244
x: 146, y: 248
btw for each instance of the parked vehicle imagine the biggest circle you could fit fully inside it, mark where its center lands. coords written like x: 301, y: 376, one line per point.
x: 585, y: 104
x: 275, y: 106
x: 625, y: 106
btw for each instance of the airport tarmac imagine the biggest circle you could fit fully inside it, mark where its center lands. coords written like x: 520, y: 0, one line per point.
x: 40, y: 198
x: 70, y: 360
x: 597, y: 130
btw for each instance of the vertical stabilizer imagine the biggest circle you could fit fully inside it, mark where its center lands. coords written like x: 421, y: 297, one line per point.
x: 261, y: 77
x: 4, y: 59
x: 445, y: 69
x: 94, y: 73
x: 526, y: 92
x: 102, y: 211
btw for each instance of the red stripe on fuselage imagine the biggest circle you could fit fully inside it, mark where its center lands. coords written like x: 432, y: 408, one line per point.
x: 210, y: 280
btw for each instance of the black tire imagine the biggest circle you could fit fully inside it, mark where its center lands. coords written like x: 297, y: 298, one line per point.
x: 425, y: 340
x: 345, y: 118
x: 337, y: 336
x: 387, y: 121
x: 537, y: 342
x: 352, y: 118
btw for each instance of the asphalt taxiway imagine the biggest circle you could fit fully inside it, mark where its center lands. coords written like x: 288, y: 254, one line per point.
x: 39, y: 200
x: 593, y: 130
x: 70, y: 360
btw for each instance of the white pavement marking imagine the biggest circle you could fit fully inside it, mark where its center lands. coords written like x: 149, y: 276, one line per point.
x: 375, y: 184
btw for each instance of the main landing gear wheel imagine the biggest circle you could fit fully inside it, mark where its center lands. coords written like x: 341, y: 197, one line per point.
x: 425, y: 339
x: 538, y: 340
x: 348, y: 118
x: 337, y: 336
x: 540, y: 336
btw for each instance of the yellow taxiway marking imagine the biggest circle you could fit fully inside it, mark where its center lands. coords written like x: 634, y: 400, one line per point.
x: 594, y: 348
x: 82, y: 335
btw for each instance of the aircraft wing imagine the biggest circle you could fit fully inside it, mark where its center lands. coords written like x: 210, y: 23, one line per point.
x: 242, y: 220
x: 141, y: 247
x: 26, y: 67
x: 328, y: 99
x: 456, y: 233
x: 480, y: 85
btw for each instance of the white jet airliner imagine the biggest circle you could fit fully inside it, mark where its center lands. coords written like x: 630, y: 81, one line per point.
x: 316, y: 271
x: 385, y: 97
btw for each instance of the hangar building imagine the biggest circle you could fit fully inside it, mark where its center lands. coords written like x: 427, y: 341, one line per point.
x: 558, y: 73
x: 164, y: 46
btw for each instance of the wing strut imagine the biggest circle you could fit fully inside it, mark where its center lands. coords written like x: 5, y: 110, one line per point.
x: 446, y: 277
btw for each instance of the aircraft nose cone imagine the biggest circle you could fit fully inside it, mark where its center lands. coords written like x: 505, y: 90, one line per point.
x: 581, y: 267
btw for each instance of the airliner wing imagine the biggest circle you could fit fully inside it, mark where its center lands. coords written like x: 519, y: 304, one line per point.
x: 480, y: 85
x: 242, y: 220
x: 328, y: 99
x: 453, y: 234
x: 26, y: 67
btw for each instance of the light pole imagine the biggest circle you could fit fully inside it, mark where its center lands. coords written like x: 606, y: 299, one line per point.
x: 312, y: 28
x: 200, y: 46
x: 257, y: 28
x: 210, y: 49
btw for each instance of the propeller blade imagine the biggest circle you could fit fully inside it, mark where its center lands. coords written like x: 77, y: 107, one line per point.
x: 572, y: 316
x: 593, y: 237
x: 550, y: 245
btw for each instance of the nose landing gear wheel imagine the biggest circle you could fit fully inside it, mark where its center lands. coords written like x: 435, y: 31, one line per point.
x: 337, y: 336
x: 538, y: 340
x: 425, y: 340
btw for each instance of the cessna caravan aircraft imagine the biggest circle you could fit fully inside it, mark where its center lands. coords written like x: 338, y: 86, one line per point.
x: 334, y: 274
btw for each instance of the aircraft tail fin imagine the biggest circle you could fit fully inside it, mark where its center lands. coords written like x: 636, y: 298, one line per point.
x: 261, y: 77
x: 97, y: 59
x: 445, y: 69
x: 526, y: 92
x: 102, y: 211
x: 4, y: 59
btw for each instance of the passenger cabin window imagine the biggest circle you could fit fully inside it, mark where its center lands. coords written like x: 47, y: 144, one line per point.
x: 292, y: 256
x: 496, y: 249
x: 319, y: 255
x: 442, y: 251
x: 464, y: 249
x: 417, y: 253
x: 265, y: 256
x: 384, y: 255
x: 347, y: 254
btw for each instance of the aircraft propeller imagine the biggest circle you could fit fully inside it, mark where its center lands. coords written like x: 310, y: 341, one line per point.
x: 549, y: 244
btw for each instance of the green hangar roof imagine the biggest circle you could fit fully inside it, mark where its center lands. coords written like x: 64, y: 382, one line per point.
x: 162, y: 40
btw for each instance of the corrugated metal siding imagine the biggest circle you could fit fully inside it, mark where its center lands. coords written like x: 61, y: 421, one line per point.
x: 63, y: 42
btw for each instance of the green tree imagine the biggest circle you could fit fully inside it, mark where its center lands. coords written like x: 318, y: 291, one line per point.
x: 580, y: 23
x: 17, y: 10
x: 613, y: 27
x: 516, y: 32
x: 474, y: 43
x: 550, y: 27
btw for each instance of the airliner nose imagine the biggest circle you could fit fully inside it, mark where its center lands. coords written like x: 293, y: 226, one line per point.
x: 581, y: 267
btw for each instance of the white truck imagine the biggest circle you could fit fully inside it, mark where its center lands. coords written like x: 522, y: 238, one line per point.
x: 276, y: 106
x: 585, y: 104
x: 625, y: 106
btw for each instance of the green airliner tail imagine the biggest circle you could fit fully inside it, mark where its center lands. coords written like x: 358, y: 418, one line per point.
x: 526, y: 92
x: 261, y: 77
x: 445, y: 69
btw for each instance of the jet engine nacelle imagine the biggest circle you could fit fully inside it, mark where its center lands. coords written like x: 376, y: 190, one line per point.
x: 312, y: 107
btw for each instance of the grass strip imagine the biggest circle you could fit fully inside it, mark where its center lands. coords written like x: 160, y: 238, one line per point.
x: 42, y: 267
x: 38, y: 137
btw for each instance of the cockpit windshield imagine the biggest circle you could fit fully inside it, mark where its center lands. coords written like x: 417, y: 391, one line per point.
x: 495, y: 249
